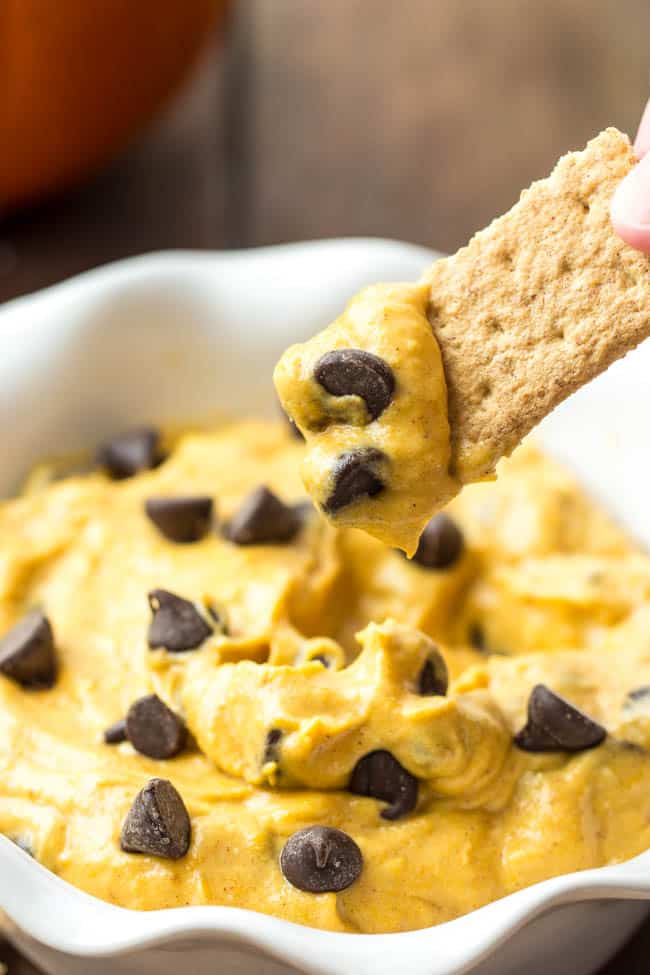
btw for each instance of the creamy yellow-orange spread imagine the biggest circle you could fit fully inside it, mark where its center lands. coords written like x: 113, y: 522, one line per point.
x: 320, y: 650
x: 387, y: 415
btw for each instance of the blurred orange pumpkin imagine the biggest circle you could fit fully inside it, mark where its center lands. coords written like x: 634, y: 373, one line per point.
x: 79, y: 77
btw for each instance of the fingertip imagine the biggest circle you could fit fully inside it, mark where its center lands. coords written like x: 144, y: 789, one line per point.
x: 630, y: 207
x: 642, y: 141
x: 635, y: 235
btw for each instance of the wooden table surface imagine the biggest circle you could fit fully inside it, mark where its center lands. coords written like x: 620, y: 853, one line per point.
x: 417, y: 120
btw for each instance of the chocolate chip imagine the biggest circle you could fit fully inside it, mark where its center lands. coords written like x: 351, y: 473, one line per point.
x: 637, y: 696
x: 115, y: 734
x: 354, y: 372
x: 215, y: 615
x: 441, y: 543
x: 355, y: 476
x: 263, y: 519
x: 476, y: 637
x: 321, y: 659
x: 129, y: 453
x: 185, y: 519
x: 153, y: 729
x: 157, y: 823
x: 555, y: 725
x: 321, y: 860
x: 273, y: 739
x: 433, y: 680
x: 27, y: 653
x: 177, y: 624
x: 380, y: 776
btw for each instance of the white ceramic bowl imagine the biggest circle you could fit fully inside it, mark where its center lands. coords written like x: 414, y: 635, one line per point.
x: 182, y: 336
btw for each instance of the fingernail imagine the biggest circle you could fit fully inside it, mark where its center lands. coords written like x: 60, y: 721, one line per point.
x: 630, y: 207
x: 642, y: 141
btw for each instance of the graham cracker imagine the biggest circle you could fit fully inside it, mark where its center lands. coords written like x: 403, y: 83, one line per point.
x: 537, y: 304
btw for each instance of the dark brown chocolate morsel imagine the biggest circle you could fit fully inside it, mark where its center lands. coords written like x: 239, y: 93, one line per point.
x: 177, y: 624
x: 263, y: 519
x: 28, y: 654
x: 380, y: 776
x: 321, y: 860
x: 637, y: 699
x: 354, y: 372
x: 157, y: 822
x: 183, y: 519
x: 322, y: 659
x: 131, y: 452
x: 476, y: 637
x: 433, y: 679
x: 154, y: 729
x: 271, y: 750
x: 115, y: 734
x: 355, y: 475
x: 441, y: 543
x: 555, y: 725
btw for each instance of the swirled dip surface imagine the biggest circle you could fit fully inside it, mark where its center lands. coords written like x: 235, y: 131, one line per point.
x: 365, y: 748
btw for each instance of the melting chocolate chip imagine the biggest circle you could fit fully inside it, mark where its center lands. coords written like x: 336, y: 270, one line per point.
x: 322, y: 659
x: 273, y: 738
x: 177, y: 624
x: 555, y: 725
x: 354, y: 372
x: 129, y: 453
x: 185, y: 519
x: 263, y: 519
x: 321, y: 860
x: 476, y: 637
x: 433, y: 680
x: 153, y: 729
x: 115, y: 734
x: 27, y: 653
x: 215, y: 615
x: 355, y: 476
x: 380, y: 776
x: 157, y: 822
x: 441, y: 543
x: 637, y: 696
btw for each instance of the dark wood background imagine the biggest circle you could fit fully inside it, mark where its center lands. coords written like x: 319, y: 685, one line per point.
x: 417, y: 120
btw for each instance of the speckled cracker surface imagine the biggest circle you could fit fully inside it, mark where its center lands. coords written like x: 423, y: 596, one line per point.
x: 537, y: 304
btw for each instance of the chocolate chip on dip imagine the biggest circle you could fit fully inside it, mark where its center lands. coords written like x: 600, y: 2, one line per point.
x: 354, y: 372
x: 355, y: 476
x: 320, y: 860
x: 176, y: 624
x: 154, y: 729
x: 380, y: 776
x: 263, y: 519
x: 433, y: 679
x: 271, y: 743
x: 441, y: 543
x: 555, y: 725
x: 157, y: 823
x: 131, y: 452
x: 27, y: 652
x: 182, y: 519
x: 115, y: 734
